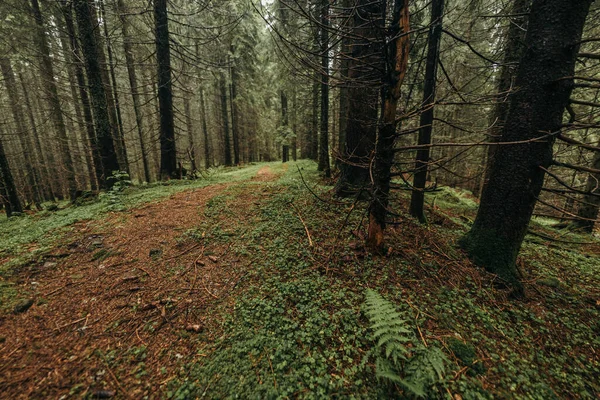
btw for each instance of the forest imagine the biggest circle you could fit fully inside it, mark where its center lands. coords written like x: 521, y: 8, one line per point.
x: 276, y: 199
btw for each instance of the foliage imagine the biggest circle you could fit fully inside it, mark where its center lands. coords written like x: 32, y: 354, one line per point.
x: 417, y: 369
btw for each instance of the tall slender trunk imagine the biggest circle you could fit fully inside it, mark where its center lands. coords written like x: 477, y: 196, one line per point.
x: 51, y: 89
x: 285, y: 148
x: 234, y: 114
x: 24, y: 140
x: 396, y: 58
x: 324, y: 129
x: 168, y: 151
x: 204, y: 130
x: 45, y: 180
x: 108, y: 88
x: 225, y: 118
x: 103, y: 128
x: 536, y: 110
x: 426, y: 120
x: 9, y: 190
x: 133, y: 84
x: 190, y: 131
x: 93, y: 157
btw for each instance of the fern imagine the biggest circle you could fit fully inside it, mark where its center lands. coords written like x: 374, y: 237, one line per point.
x: 416, y: 368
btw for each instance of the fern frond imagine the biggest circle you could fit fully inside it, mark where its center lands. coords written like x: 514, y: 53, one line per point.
x: 417, y: 374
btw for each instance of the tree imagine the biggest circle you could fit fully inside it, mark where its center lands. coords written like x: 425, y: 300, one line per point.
x: 513, y: 51
x: 8, y: 190
x: 359, y: 97
x: 103, y: 128
x: 544, y: 81
x: 168, y: 151
x: 50, y: 86
x: 133, y: 84
x: 396, y: 56
x: 324, y: 127
x: 24, y: 140
x: 426, y: 121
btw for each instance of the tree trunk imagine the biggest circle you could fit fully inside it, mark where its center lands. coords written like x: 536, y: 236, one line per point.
x: 51, y: 89
x: 190, y: 131
x: 285, y: 148
x: 396, y: 55
x: 358, y: 116
x: 93, y: 156
x: 204, y: 131
x: 135, y: 95
x: 9, y: 191
x: 234, y: 114
x: 24, y: 141
x: 324, y: 130
x: 588, y: 209
x: 225, y: 117
x: 107, y: 71
x: 513, y: 51
x: 45, y: 180
x: 536, y: 110
x: 426, y: 120
x: 108, y: 161
x: 168, y: 152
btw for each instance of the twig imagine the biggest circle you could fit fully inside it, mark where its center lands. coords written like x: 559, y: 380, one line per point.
x: 70, y: 323
x: 115, y: 379
x: 310, y: 242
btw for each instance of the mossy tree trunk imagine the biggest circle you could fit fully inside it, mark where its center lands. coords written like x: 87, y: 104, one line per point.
x: 544, y: 82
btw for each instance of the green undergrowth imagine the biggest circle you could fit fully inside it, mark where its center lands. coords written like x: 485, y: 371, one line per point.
x: 27, y: 237
x: 300, y: 327
x: 331, y: 321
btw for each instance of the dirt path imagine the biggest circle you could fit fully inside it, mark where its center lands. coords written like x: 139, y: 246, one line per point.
x: 121, y: 305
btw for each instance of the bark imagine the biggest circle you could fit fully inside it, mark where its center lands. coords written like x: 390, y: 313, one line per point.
x: 168, y: 152
x: 536, y: 109
x: 235, y: 134
x: 513, y: 51
x: 113, y: 95
x: 51, y: 89
x: 312, y: 139
x: 32, y: 177
x: 190, y: 131
x: 93, y: 156
x: 133, y: 84
x: 9, y: 191
x: 45, y: 180
x: 397, y: 51
x: 225, y: 118
x: 285, y: 148
x: 588, y: 209
x: 426, y: 119
x: 324, y: 129
x: 204, y: 131
x: 104, y: 133
x: 358, y: 116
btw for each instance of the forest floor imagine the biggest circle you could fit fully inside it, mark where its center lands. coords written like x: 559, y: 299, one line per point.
x: 251, y: 283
